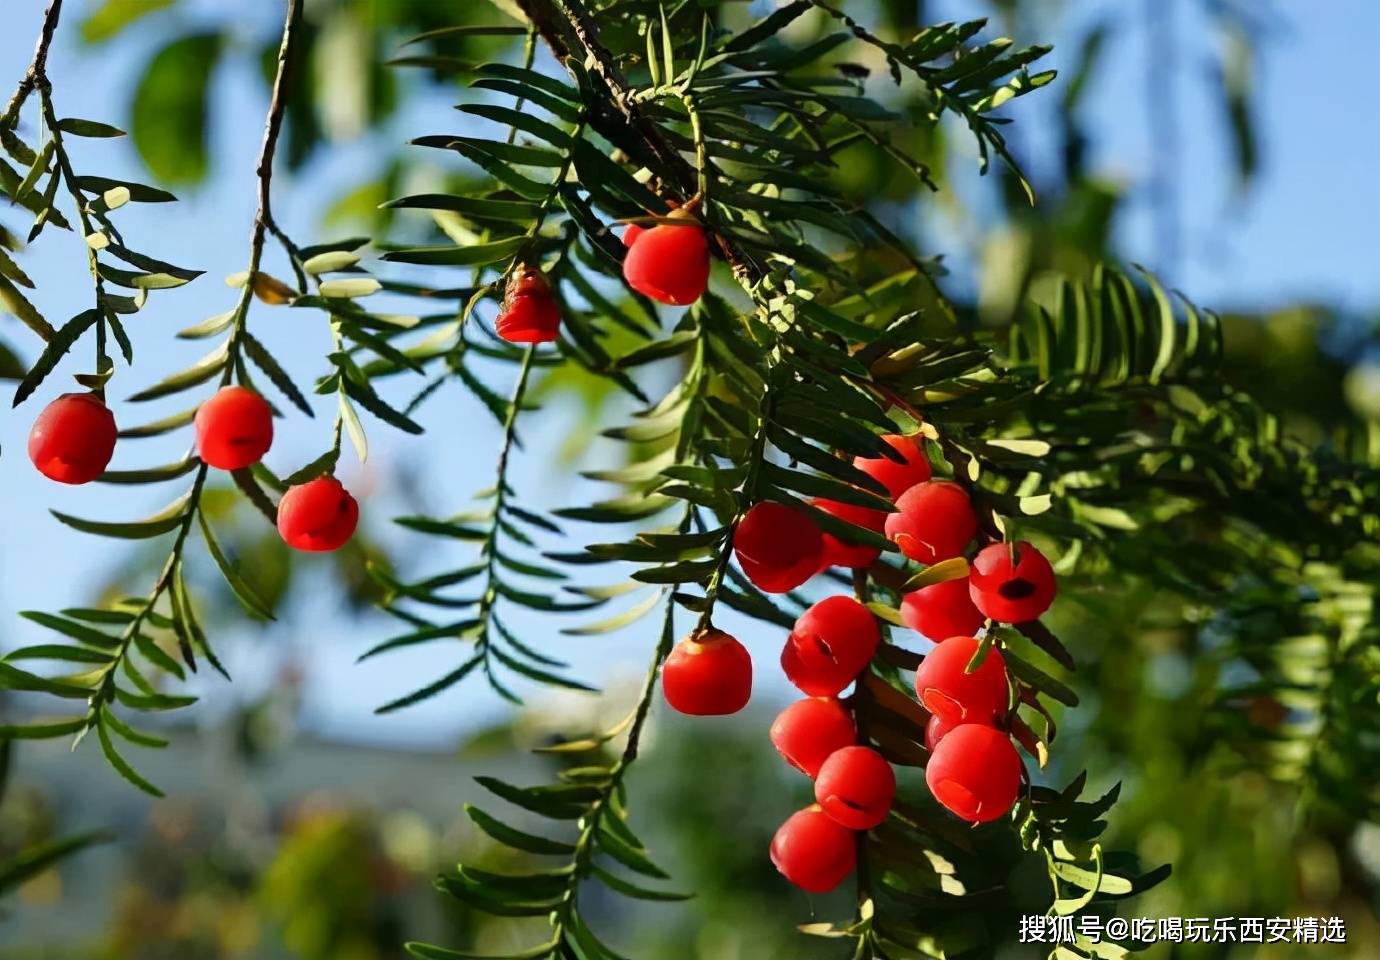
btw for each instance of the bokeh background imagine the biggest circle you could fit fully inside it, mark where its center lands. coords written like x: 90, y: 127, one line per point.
x: 1227, y: 145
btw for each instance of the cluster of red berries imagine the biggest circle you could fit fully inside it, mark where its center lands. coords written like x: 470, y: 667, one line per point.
x: 710, y: 674
x: 780, y: 548
x: 832, y: 643
x: 73, y: 440
x: 668, y: 262
x: 973, y: 770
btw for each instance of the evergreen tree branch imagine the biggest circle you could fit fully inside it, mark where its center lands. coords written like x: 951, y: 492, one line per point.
x: 53, y: 161
x: 102, y: 687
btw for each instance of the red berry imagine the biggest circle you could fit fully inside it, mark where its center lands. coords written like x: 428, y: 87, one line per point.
x: 317, y: 516
x: 942, y: 610
x: 897, y: 477
x: 946, y: 689
x: 777, y: 547
x: 855, y: 787
x: 669, y: 263
x: 530, y: 313
x: 975, y: 773
x: 809, y: 730
x: 73, y: 438
x: 1012, y: 592
x: 234, y: 429
x: 838, y: 553
x: 938, y: 728
x: 631, y: 232
x: 833, y: 641
x: 813, y: 852
x: 707, y: 674
x: 934, y: 521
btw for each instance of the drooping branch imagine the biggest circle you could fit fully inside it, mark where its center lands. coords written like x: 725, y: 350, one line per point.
x: 183, y: 515
x: 263, y: 221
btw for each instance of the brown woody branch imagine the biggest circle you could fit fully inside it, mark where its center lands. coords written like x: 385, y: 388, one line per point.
x: 555, y: 20
x: 37, y: 74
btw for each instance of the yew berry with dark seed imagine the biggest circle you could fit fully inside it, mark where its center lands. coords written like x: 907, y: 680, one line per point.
x: 945, y: 688
x: 317, y: 516
x: 809, y: 730
x: 1013, y: 584
x: 833, y: 641
x: 855, y: 787
x: 530, y: 313
x: 709, y: 673
x: 777, y: 547
x: 897, y: 477
x: 975, y: 773
x: 942, y: 610
x: 813, y: 852
x: 73, y: 439
x: 234, y: 428
x: 631, y: 232
x: 669, y: 262
x: 839, y: 553
x: 934, y: 521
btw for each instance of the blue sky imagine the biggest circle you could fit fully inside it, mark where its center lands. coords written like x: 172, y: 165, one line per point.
x: 1305, y: 231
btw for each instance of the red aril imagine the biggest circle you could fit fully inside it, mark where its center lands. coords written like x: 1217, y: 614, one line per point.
x: 975, y: 773
x: 1012, y: 583
x: 708, y: 674
x: 530, y: 313
x: 897, y: 477
x: 938, y: 727
x: 945, y: 687
x: 839, y: 553
x: 833, y: 641
x: 855, y: 787
x: 317, y: 516
x: 942, y: 610
x: 809, y: 730
x: 234, y: 428
x: 934, y: 521
x: 669, y: 262
x: 813, y: 852
x: 777, y: 547
x: 73, y: 439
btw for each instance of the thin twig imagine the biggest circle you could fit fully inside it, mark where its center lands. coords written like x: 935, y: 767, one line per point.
x: 277, y: 107
x: 501, y: 491
x: 68, y: 177
x: 592, y: 820
x: 37, y: 74
x: 262, y: 220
